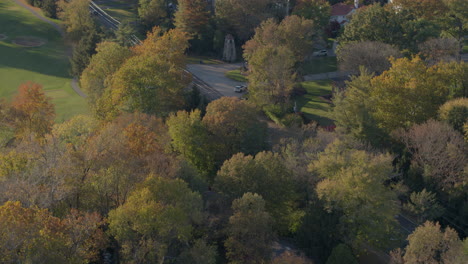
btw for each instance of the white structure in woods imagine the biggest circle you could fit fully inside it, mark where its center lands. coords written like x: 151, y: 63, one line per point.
x: 229, y: 51
x: 341, y: 12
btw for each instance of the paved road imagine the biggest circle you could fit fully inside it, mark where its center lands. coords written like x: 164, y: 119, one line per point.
x: 213, y: 75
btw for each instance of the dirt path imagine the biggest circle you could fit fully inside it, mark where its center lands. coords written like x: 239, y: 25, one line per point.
x: 74, y: 82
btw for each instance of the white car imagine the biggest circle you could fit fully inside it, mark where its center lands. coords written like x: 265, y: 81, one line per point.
x: 320, y: 53
x: 240, y: 88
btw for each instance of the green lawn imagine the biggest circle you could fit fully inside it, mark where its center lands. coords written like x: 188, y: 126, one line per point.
x: 320, y: 65
x: 47, y: 65
x: 120, y: 9
x: 236, y: 75
x: 465, y: 46
x: 313, y: 107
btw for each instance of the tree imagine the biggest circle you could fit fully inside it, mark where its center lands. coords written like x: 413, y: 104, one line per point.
x: 266, y: 175
x: 353, y: 182
x: 408, y: 93
x: 83, y: 51
x: 199, y: 253
x: 76, y: 17
x: 235, y: 127
x: 154, y: 218
x: 152, y: 81
x: 108, y: 59
x: 32, y: 110
x: 288, y: 257
x: 49, y: 7
x: 455, y: 112
x: 439, y: 151
x: 456, y: 20
x: 294, y: 32
x: 153, y: 13
x: 372, y: 55
x: 429, y: 244
x: 271, y: 76
x: 36, y: 236
x: 424, y: 204
x: 124, y: 34
x: 439, y: 49
x: 427, y: 9
x: 353, y: 110
x: 192, y: 16
x: 249, y: 231
x: 190, y: 138
x: 318, y: 11
x: 342, y: 254
x: 243, y: 16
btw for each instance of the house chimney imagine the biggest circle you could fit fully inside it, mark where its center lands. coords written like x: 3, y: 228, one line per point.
x: 356, y: 4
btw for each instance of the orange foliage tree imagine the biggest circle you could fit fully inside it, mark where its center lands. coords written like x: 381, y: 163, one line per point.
x: 32, y: 111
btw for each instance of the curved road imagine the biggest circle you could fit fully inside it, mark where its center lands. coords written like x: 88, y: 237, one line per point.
x: 74, y: 82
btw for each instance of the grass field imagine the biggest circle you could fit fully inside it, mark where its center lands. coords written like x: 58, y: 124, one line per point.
x: 203, y: 59
x: 47, y: 65
x: 320, y: 65
x: 122, y: 10
x: 236, y: 76
x: 313, y: 107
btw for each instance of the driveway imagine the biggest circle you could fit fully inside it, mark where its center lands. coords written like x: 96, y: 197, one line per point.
x: 213, y: 75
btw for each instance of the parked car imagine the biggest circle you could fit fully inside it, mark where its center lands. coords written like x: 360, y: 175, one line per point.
x: 320, y: 53
x: 240, y: 88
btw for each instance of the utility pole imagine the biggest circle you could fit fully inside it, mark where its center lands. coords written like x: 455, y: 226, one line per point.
x: 287, y: 7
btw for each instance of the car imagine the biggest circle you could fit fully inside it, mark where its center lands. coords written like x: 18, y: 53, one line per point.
x: 240, y: 88
x: 320, y: 53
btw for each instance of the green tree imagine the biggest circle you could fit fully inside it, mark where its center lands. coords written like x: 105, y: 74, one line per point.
x: 455, y: 112
x: 353, y: 183
x: 83, y: 51
x: 342, y: 254
x: 199, y: 253
x: 429, y: 244
x: 249, y: 231
x: 271, y: 76
x: 76, y: 17
x: 424, y: 204
x: 108, y: 59
x: 153, y: 13
x: 154, y: 218
x: 235, y: 127
x: 190, y: 138
x: 353, y: 110
x: 266, y: 175
x: 318, y: 11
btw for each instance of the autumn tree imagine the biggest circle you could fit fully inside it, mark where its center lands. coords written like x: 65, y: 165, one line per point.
x: 439, y: 151
x: 439, y: 49
x: 408, y: 93
x: 154, y: 218
x: 108, y: 59
x: 266, y: 175
x: 372, y: 55
x: 34, y: 235
x: 243, y: 16
x: 32, y: 110
x: 353, y: 183
x: 249, y: 231
x: 192, y: 16
x: 430, y: 244
x: 318, y: 11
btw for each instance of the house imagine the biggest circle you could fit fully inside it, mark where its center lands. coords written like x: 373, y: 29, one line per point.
x: 341, y: 12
